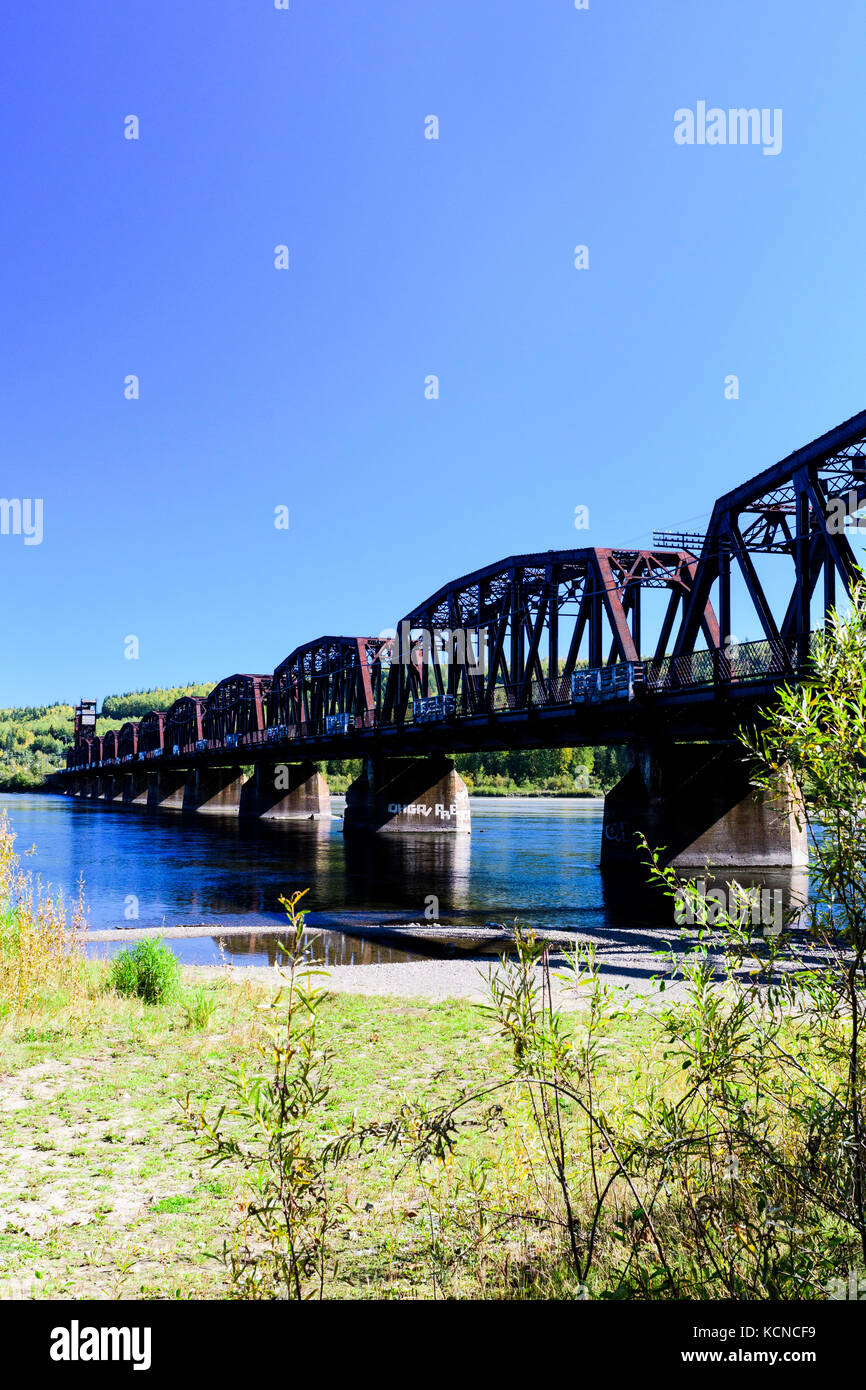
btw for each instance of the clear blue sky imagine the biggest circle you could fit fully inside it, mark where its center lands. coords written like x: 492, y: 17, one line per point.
x: 408, y: 257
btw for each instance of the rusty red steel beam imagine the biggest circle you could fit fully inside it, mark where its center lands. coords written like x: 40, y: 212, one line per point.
x: 506, y: 609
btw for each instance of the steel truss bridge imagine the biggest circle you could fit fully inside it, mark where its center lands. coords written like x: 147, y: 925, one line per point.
x: 562, y: 648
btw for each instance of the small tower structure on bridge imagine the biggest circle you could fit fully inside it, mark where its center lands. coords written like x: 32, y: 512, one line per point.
x: 85, y: 721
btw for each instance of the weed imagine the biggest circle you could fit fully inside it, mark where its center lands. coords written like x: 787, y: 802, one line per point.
x: 151, y: 972
x: 279, y: 1247
x: 198, y: 1009
x: 40, y: 950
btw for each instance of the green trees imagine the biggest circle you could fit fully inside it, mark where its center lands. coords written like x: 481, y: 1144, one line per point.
x: 543, y: 769
x: 32, y: 744
x: 34, y: 738
x: 134, y: 704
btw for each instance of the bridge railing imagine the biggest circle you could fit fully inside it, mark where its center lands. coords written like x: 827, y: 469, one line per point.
x: 738, y: 665
x: 741, y: 663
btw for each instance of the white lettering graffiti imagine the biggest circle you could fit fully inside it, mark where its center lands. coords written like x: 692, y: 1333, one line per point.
x: 417, y: 808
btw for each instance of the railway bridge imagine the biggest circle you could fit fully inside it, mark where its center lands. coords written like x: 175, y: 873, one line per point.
x: 561, y: 648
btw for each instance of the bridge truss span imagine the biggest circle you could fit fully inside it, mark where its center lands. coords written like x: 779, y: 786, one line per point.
x: 802, y: 508
x: 515, y: 654
x: 512, y: 635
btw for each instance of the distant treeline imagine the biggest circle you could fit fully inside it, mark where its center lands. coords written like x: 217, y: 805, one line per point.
x: 34, y: 739
x: 543, y: 769
x: 559, y: 771
x: 33, y: 742
x: 139, y: 702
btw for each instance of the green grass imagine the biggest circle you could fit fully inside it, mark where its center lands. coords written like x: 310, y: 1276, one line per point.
x: 104, y: 1194
x: 172, y: 1205
x: 150, y: 972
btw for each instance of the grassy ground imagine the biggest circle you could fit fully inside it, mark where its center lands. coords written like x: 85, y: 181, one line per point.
x: 102, y: 1192
x: 697, y: 1150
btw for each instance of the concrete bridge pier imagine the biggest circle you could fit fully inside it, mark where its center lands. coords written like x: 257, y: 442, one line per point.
x: 287, y: 791
x: 138, y: 787
x: 131, y: 787
x: 122, y: 786
x: 417, y: 795
x: 215, y: 791
x: 114, y: 787
x: 167, y: 790
x: 695, y: 800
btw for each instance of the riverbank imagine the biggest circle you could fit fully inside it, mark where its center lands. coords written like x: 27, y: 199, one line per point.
x: 623, y: 958
x: 422, y: 1123
x: 644, y: 966
x: 104, y: 1195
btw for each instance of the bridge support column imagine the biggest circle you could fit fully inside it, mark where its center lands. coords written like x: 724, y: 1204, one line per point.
x: 288, y: 791
x: 215, y: 791
x: 119, y: 789
x: 167, y: 790
x: 695, y: 800
x: 136, y: 788
x: 395, y: 795
x: 131, y: 788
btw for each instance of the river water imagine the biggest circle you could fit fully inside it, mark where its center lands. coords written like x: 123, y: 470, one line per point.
x: 535, y: 858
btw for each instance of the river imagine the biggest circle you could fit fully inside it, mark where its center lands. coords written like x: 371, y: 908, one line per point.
x: 536, y: 858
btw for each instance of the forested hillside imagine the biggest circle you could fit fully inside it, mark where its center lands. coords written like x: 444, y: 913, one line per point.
x: 33, y: 740
x: 138, y: 702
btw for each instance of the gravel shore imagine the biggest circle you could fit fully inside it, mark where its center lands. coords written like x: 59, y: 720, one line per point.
x: 626, y: 960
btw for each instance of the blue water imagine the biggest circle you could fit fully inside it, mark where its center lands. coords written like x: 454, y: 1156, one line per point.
x: 527, y: 857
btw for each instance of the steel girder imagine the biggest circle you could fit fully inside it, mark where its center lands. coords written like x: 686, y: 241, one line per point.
x: 236, y: 707
x: 127, y: 741
x: 150, y: 731
x: 80, y: 754
x: 333, y: 675
x: 522, y: 622
x: 184, y: 724
x: 512, y: 634
x: 786, y: 510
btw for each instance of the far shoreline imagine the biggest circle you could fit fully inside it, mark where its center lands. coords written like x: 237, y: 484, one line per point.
x: 45, y: 788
